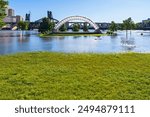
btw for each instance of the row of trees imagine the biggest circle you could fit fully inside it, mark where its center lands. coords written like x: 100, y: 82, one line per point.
x: 47, y: 26
x: 127, y: 24
x: 75, y: 28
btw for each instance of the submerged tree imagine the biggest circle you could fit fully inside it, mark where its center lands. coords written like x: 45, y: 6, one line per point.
x: 85, y: 27
x: 113, y: 27
x: 3, y: 5
x: 128, y: 24
x: 63, y: 28
x: 76, y: 27
x: 120, y: 26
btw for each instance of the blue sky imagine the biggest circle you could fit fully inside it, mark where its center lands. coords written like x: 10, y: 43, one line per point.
x: 97, y: 10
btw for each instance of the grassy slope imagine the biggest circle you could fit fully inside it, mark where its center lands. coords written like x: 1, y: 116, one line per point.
x: 75, y: 76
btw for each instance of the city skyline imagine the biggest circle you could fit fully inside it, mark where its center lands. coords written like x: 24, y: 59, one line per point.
x: 97, y: 10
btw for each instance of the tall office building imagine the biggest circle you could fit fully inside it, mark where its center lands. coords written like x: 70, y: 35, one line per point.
x: 11, y: 12
x: 10, y: 16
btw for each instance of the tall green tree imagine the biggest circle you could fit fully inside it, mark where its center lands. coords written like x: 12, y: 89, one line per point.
x: 3, y: 4
x: 46, y: 26
x: 23, y: 25
x: 113, y: 27
x: 85, y: 27
x: 63, y: 28
x: 128, y: 24
x: 76, y: 27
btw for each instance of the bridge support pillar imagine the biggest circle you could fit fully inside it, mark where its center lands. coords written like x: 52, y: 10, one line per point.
x: 98, y: 31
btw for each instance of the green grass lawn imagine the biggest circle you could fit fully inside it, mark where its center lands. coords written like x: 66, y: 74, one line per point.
x: 44, y: 75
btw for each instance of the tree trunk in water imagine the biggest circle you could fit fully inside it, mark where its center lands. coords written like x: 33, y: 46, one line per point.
x: 127, y: 34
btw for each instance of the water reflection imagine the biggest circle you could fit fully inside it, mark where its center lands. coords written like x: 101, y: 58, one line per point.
x: 128, y: 42
x: 23, y: 36
x: 26, y: 41
x: 76, y: 37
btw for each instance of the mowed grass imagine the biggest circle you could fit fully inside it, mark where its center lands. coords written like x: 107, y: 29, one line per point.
x: 63, y: 76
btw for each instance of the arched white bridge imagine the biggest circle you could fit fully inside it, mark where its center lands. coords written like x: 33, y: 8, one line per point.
x: 57, y: 27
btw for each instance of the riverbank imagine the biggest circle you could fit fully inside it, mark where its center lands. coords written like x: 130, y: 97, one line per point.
x: 44, y: 75
x: 72, y: 34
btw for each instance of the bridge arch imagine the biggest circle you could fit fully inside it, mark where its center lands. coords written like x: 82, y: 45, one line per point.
x: 56, y: 28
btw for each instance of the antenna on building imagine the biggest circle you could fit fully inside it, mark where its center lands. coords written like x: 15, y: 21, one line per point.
x: 30, y: 15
